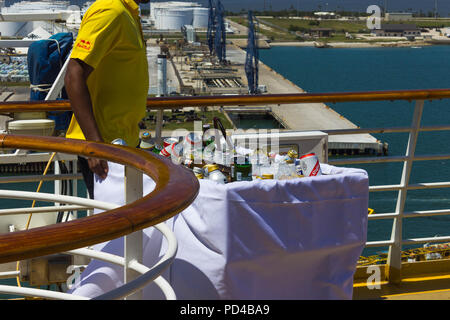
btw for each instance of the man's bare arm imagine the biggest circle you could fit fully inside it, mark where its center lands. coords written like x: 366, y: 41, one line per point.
x: 80, y: 100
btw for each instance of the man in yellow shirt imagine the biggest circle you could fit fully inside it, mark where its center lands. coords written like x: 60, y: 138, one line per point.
x: 107, y: 79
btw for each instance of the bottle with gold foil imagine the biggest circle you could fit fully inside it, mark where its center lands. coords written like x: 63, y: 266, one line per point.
x: 215, y: 174
x: 291, y: 156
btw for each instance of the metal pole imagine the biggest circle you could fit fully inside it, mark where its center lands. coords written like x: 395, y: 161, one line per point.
x: 394, y: 262
x: 435, y: 9
x: 162, y: 91
x: 57, y: 183
x: 57, y: 86
x: 75, y: 183
x: 133, y: 242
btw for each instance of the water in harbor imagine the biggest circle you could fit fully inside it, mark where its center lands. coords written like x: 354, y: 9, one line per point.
x: 254, y: 120
x: 375, y: 69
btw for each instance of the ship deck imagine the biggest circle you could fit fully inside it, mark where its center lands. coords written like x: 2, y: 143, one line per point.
x: 426, y: 280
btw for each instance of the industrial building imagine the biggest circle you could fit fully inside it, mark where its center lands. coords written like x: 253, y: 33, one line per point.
x: 397, y: 30
x: 325, y: 15
x: 398, y: 16
x: 321, y: 32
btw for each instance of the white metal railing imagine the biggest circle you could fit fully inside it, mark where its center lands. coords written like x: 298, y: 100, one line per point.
x: 396, y: 242
x: 136, y: 275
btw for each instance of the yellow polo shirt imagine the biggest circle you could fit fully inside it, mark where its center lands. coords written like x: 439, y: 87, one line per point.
x: 110, y: 40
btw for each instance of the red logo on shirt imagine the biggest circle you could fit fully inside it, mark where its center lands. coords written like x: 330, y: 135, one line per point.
x: 86, y: 45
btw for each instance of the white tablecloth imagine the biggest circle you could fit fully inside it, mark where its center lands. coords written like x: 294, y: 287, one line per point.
x: 268, y: 239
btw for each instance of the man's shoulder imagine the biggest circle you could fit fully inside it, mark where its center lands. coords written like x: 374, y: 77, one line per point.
x: 108, y: 8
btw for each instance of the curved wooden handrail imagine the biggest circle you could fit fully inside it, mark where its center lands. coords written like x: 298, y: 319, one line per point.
x: 173, y: 102
x: 202, y: 101
x: 176, y: 188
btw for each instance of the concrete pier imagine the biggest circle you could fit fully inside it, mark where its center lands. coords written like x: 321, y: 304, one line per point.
x: 308, y: 116
x: 293, y: 117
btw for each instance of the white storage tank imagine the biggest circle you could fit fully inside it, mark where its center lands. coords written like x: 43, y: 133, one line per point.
x: 153, y: 9
x: 36, y: 127
x: 157, y: 17
x: 201, y: 17
x: 12, y: 29
x: 188, y: 16
x: 21, y: 29
x: 173, y: 19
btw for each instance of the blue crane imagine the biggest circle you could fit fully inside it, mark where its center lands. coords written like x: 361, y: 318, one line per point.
x: 220, y: 35
x: 252, y: 57
x: 211, y: 27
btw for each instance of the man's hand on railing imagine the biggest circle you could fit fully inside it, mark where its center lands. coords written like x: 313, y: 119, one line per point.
x: 98, y: 167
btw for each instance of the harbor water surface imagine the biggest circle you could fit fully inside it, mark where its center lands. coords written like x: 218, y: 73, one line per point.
x: 378, y: 69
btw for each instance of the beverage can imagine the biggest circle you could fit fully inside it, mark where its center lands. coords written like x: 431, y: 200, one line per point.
x: 197, y: 170
x: 170, y: 141
x: 157, y: 149
x: 167, y: 151
x: 209, y: 168
x: 146, y: 145
x: 193, y: 139
x: 119, y: 141
x: 146, y: 141
x: 310, y: 165
x: 177, y: 149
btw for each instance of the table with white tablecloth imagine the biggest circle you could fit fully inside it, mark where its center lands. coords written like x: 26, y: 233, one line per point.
x: 263, y: 239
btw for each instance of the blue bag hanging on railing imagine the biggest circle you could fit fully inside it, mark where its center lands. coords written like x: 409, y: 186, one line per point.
x: 45, y: 60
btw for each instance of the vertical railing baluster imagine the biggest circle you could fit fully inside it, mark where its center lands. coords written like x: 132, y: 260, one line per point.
x: 158, y: 126
x: 133, y: 241
x: 75, y: 184
x: 57, y: 183
x: 394, y: 262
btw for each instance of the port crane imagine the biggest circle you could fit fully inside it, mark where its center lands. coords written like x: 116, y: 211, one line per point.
x: 252, y: 57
